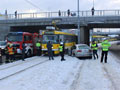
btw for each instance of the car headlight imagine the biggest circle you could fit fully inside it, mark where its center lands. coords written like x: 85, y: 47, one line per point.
x: 2, y: 48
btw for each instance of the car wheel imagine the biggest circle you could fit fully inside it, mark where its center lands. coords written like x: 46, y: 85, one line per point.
x: 90, y: 57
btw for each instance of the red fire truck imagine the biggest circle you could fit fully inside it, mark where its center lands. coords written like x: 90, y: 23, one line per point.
x: 29, y: 39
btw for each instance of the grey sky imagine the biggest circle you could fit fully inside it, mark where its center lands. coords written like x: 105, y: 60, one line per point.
x: 54, y: 5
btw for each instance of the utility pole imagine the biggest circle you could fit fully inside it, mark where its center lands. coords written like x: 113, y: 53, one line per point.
x: 78, y: 23
x: 93, y: 3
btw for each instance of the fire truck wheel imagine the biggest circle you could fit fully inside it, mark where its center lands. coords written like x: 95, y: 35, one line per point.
x: 29, y: 53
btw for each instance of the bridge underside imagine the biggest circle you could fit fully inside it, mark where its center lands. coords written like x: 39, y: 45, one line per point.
x: 34, y: 28
x: 103, y: 25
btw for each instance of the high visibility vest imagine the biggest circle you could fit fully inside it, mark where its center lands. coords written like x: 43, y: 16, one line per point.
x: 94, y: 47
x: 105, y: 46
x: 60, y: 48
x: 38, y: 44
x: 10, y: 50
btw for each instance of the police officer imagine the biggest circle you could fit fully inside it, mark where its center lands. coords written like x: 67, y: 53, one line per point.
x: 94, y: 48
x: 105, y: 47
x: 50, y: 53
x: 38, y: 45
x: 61, y: 49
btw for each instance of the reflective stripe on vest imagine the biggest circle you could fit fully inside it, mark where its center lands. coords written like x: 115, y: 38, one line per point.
x: 37, y: 44
x: 60, y: 48
x: 105, y: 47
x: 94, y: 47
x: 10, y: 50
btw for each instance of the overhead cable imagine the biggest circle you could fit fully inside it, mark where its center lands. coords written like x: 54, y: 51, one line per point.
x: 32, y: 4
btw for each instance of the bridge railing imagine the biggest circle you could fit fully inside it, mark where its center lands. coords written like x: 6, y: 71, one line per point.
x: 87, y: 13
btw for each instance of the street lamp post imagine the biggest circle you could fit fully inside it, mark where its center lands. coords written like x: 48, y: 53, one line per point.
x: 93, y: 3
x: 78, y: 24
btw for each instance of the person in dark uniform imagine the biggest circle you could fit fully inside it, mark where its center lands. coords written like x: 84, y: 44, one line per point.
x: 7, y: 53
x: 94, y: 48
x: 23, y: 52
x: 38, y: 45
x: 105, y: 47
x: 62, y: 50
x: 50, y: 53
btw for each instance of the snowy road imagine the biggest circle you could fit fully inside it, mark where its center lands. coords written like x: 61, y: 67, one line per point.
x: 72, y: 74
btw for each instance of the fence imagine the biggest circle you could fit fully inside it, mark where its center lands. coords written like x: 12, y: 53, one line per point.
x: 87, y: 13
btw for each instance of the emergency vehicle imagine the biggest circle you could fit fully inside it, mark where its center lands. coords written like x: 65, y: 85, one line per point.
x: 29, y: 39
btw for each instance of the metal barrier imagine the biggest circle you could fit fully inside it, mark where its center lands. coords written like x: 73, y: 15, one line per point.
x: 63, y: 14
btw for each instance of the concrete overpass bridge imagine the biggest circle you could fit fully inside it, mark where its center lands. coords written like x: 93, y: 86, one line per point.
x: 34, y: 22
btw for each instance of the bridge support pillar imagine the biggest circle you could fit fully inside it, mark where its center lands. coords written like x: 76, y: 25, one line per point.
x: 4, y: 29
x: 84, y: 35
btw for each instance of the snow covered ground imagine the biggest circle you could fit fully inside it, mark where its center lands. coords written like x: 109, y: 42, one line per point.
x: 72, y: 74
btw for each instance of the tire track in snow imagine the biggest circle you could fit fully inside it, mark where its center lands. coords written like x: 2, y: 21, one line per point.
x: 75, y: 81
x: 16, y: 64
x: 109, y: 73
x: 71, y: 73
x: 109, y: 77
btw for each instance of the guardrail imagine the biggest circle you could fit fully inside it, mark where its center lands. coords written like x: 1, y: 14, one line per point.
x: 87, y: 13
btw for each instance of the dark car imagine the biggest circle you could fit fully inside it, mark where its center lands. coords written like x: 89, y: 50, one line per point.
x: 2, y: 46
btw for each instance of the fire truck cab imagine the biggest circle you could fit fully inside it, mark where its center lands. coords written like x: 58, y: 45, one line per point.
x: 18, y: 38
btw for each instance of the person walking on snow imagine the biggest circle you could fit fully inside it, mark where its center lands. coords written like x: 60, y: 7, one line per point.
x: 11, y: 52
x: 105, y: 48
x: 50, y: 53
x: 94, y: 47
x: 62, y: 50
x: 38, y: 45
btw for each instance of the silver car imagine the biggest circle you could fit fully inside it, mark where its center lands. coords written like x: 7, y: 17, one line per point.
x: 82, y: 50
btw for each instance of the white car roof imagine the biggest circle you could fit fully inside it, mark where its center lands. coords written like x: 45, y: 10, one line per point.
x: 81, y: 44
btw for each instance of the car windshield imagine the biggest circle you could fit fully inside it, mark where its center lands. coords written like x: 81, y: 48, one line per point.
x: 2, y: 43
x: 83, y: 47
x: 14, y: 38
x: 52, y: 38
